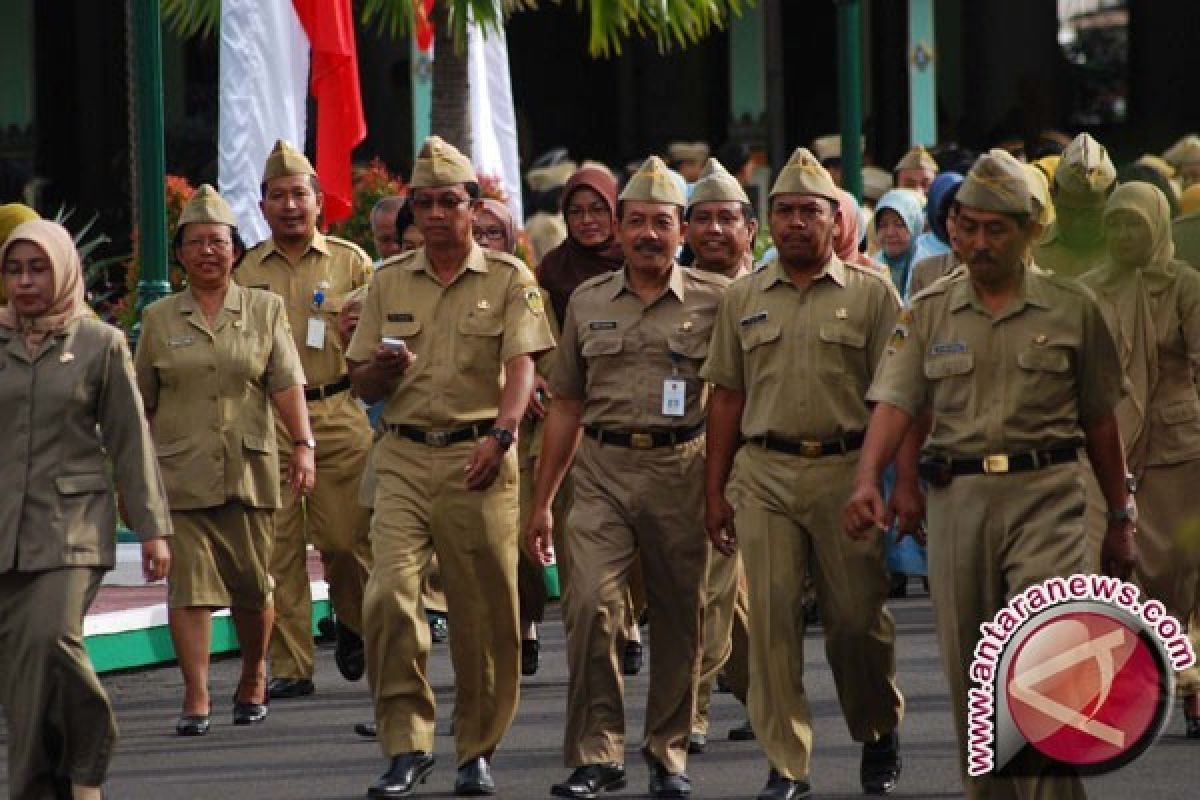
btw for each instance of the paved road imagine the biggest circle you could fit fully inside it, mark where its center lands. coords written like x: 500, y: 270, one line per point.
x: 307, y: 749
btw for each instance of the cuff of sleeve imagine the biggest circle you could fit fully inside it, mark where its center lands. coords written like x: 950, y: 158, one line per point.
x: 893, y: 398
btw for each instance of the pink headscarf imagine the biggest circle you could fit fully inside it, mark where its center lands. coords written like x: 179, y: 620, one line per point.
x: 502, y: 213
x: 68, y: 303
x: 845, y: 244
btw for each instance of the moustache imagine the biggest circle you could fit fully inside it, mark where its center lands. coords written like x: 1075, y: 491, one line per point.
x: 646, y: 246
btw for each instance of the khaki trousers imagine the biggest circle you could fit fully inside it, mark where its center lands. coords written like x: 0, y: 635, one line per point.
x: 726, y: 640
x: 634, y: 506
x: 60, y: 724
x: 421, y: 507
x: 788, y: 520
x: 334, y: 521
x: 991, y: 536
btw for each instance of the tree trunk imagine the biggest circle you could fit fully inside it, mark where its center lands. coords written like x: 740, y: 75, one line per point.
x: 450, y: 114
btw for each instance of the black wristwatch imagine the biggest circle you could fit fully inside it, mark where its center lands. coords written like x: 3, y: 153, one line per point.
x: 504, y: 436
x: 310, y: 443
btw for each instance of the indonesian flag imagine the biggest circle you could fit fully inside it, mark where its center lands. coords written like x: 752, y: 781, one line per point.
x: 264, y: 79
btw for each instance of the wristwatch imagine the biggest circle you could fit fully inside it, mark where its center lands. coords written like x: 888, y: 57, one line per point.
x: 504, y: 436
x: 1124, y: 514
x: 1131, y: 484
x: 310, y: 443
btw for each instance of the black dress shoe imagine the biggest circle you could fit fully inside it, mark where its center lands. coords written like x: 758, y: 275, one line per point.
x: 287, y: 688
x: 880, y: 768
x: 530, y: 656
x: 696, y: 743
x: 586, y: 782
x: 781, y: 788
x: 742, y: 733
x: 667, y: 784
x: 367, y: 730
x: 474, y: 779
x: 192, y: 725
x: 349, y: 654
x: 633, y: 659
x: 403, y: 775
x: 249, y: 713
x: 439, y: 627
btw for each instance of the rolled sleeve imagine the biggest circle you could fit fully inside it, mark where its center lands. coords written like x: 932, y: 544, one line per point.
x: 724, y: 364
x: 526, y: 329
x: 370, y: 325
x: 567, y: 370
x: 1102, y: 382
x: 900, y: 378
x: 143, y: 365
x: 284, y: 369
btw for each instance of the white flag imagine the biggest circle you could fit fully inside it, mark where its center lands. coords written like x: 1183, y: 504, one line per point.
x: 493, y: 121
x: 263, y: 90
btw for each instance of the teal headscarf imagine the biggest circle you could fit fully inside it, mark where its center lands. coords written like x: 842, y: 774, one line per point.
x: 907, y: 206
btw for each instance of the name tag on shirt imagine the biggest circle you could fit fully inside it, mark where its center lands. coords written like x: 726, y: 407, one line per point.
x: 674, y: 397
x: 603, y: 325
x: 399, y: 316
x: 180, y: 341
x: 753, y: 319
x: 315, y: 336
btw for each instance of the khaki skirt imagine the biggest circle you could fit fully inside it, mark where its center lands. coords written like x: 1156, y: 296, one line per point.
x: 220, y: 557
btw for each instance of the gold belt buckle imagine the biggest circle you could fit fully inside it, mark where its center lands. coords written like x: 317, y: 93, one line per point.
x: 995, y: 464
x: 811, y: 449
x: 641, y: 441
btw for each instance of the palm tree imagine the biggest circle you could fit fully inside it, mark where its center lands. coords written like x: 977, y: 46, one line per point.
x: 671, y: 22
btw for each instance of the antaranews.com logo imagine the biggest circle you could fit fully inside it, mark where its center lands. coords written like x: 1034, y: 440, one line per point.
x: 1080, y: 668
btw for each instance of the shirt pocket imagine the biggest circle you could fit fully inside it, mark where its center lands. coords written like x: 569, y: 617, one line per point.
x: 1048, y: 382
x: 842, y: 354
x: 605, y: 377
x: 762, y: 351
x: 479, y: 336
x: 950, y: 381
x: 87, y: 511
x: 1175, y: 434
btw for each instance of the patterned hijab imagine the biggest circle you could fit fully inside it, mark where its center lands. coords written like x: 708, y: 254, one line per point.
x: 68, y: 303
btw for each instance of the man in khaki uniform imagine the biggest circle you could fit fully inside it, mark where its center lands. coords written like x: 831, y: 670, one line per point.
x: 446, y: 338
x: 314, y: 273
x: 721, y: 231
x: 626, y: 380
x: 916, y: 170
x: 1082, y: 183
x: 792, y: 355
x: 1018, y: 370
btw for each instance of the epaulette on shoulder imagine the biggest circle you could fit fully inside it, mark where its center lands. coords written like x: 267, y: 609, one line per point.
x: 505, y: 258
x: 399, y: 258
x: 704, y: 276
x: 1068, y: 284
x: 349, y: 245
x: 599, y: 280
x: 942, y: 284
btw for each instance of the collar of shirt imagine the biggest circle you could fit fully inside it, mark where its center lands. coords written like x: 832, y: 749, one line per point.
x: 232, y: 304
x: 475, y: 261
x: 674, y: 282
x: 774, y: 273
x: 1030, y: 291
x: 318, y: 243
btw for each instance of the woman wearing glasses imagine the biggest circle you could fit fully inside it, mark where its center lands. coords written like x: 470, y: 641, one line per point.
x: 211, y: 363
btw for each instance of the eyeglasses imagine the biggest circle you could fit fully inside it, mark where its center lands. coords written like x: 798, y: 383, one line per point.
x: 217, y: 244
x: 490, y: 233
x: 598, y: 210
x: 446, y: 202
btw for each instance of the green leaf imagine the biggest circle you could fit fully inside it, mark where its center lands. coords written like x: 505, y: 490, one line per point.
x: 192, y: 18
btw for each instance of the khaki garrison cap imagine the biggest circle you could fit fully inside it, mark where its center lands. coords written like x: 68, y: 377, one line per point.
x: 440, y: 164
x: 543, y: 179
x: 1185, y: 151
x: 1084, y: 175
x: 286, y: 160
x: 829, y: 146
x: 1158, y: 164
x: 876, y: 182
x: 802, y: 174
x: 687, y: 151
x: 654, y: 183
x: 716, y: 185
x: 916, y: 158
x: 1043, y: 206
x: 205, y: 205
x: 997, y: 182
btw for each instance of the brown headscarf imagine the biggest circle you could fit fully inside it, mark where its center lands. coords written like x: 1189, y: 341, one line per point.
x: 506, y: 219
x: 845, y: 244
x: 571, y: 263
x: 68, y: 304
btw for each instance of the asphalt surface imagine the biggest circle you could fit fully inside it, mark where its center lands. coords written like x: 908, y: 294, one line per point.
x: 308, y: 749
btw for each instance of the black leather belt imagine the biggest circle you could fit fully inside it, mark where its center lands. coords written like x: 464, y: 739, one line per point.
x: 645, y: 441
x: 442, y: 438
x: 328, y: 390
x: 940, y: 472
x: 811, y: 448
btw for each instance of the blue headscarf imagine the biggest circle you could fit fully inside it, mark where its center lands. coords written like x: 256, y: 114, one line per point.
x: 942, y: 192
x: 907, y: 205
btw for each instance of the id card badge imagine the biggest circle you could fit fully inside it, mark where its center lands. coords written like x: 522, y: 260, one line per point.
x: 674, y: 397
x: 315, y: 337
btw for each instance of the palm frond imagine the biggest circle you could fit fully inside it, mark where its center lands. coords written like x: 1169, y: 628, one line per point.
x: 192, y: 18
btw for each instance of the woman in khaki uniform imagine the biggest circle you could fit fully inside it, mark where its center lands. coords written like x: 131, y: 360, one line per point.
x: 71, y: 413
x: 1152, y: 304
x: 211, y: 362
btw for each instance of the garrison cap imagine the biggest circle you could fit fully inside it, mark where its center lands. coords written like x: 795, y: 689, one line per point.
x: 12, y: 215
x: 286, y: 160
x: 1084, y: 175
x: 654, y: 183
x: 997, y: 182
x: 1158, y: 164
x: 917, y: 158
x: 440, y: 164
x: 829, y: 146
x: 803, y: 174
x: 544, y: 179
x: 1039, y: 187
x: 876, y: 182
x: 687, y: 151
x: 1185, y: 151
x: 206, y: 205
x: 716, y: 185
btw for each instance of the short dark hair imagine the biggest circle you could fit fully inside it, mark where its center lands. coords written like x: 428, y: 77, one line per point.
x: 748, y: 213
x: 833, y: 204
x: 621, y: 207
x: 239, y: 244
x: 313, y: 181
x: 404, y: 218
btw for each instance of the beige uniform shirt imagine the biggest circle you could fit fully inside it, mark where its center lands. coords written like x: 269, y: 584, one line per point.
x: 1022, y: 380
x: 616, y: 352
x: 210, y: 390
x: 67, y: 416
x: 1052, y: 255
x: 461, y: 333
x: 804, y: 358
x: 339, y: 267
x: 928, y: 270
